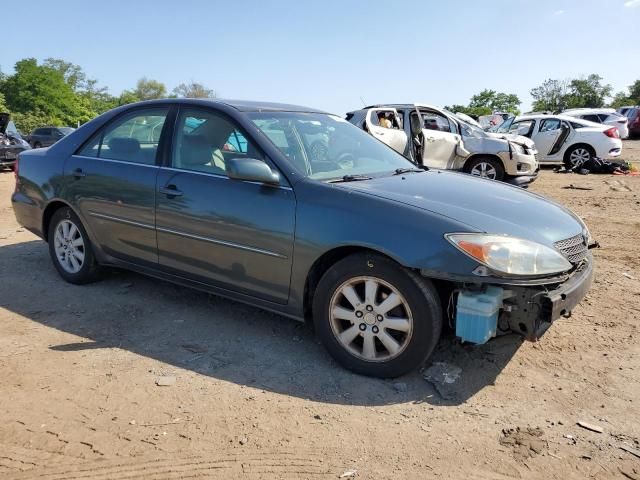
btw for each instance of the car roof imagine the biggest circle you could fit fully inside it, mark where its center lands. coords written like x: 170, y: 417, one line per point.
x: 402, y: 105
x: 560, y: 116
x: 588, y: 111
x: 240, y: 105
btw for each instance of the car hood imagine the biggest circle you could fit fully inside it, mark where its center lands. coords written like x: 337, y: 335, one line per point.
x: 4, y: 122
x: 520, y: 139
x: 484, y: 205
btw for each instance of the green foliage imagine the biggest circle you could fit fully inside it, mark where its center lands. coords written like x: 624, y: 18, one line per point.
x: 147, y: 89
x: 588, y: 92
x: 3, y: 104
x: 193, y: 90
x: 622, y: 99
x: 488, y: 101
x: 550, y: 96
x: 558, y: 95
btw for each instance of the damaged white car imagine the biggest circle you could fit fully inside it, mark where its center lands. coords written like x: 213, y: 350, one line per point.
x: 437, y: 138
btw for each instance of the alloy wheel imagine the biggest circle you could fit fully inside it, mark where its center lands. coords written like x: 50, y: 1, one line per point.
x: 484, y: 170
x: 579, y: 156
x: 69, y: 246
x: 371, y: 319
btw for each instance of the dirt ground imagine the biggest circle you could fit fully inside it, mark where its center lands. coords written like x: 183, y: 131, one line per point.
x: 256, y: 395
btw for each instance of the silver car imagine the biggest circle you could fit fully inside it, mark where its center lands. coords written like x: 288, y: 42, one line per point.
x: 437, y: 138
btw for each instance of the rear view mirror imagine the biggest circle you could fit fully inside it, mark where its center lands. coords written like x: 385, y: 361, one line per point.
x: 252, y: 170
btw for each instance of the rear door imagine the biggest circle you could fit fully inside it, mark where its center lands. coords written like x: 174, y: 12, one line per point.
x: 547, y: 135
x: 440, y: 139
x: 233, y: 234
x: 385, y: 125
x: 112, y: 183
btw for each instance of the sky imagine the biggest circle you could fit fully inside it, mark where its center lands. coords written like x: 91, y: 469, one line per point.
x: 334, y: 54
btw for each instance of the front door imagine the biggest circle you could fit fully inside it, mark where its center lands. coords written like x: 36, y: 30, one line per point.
x: 385, y: 125
x: 233, y: 234
x: 111, y: 181
x: 440, y: 140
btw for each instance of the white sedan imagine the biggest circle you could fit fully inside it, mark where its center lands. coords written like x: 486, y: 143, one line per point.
x: 605, y: 116
x: 562, y: 138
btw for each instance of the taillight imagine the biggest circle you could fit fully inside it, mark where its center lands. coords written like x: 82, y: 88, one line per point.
x: 612, y: 132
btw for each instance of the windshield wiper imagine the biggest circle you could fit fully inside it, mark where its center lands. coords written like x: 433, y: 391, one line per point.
x: 401, y: 171
x: 350, y: 178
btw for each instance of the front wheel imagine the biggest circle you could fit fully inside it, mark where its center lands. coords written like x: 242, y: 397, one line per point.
x: 70, y: 248
x: 375, y: 317
x: 485, y: 167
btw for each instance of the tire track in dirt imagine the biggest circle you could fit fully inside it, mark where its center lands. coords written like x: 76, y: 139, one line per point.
x: 253, y: 465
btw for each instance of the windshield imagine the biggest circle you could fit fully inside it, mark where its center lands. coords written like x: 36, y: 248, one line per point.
x: 66, y: 130
x: 12, y: 130
x: 503, y: 127
x: 327, y: 147
x: 467, y: 129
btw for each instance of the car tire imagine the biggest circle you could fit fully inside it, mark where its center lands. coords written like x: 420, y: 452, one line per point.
x: 578, y: 152
x: 387, y: 342
x: 485, y: 167
x: 70, y: 248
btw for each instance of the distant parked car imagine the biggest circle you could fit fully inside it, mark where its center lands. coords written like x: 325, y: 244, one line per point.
x: 561, y: 138
x: 11, y: 143
x: 441, y: 139
x: 633, y: 115
x: 605, y: 116
x: 47, y: 136
x: 227, y: 197
x: 624, y: 110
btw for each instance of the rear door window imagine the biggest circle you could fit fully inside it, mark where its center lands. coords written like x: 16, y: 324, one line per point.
x: 592, y: 118
x: 134, y: 137
x: 549, y: 125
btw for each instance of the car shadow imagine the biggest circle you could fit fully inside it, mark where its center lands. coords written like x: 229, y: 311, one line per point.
x: 223, y: 339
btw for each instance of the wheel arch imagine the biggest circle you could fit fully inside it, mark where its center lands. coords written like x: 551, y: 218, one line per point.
x: 326, y: 261
x: 475, y: 156
x: 579, y: 144
x: 48, y: 212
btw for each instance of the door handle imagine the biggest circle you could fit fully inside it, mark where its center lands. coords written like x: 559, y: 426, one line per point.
x: 170, y: 191
x: 78, y: 173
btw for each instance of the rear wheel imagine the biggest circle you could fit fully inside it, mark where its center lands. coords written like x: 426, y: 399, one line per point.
x: 70, y: 248
x: 375, y: 317
x: 578, y: 155
x: 486, y: 167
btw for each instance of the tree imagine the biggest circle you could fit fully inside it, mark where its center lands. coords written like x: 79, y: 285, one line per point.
x: 621, y: 99
x: 3, y: 104
x: 588, y: 92
x: 488, y: 101
x: 43, y: 89
x: 550, y: 96
x: 147, y: 89
x: 193, y: 90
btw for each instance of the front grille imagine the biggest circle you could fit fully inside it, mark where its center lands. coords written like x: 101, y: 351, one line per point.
x: 574, y: 248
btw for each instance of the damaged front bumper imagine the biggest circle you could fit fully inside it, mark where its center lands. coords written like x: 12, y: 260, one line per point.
x: 532, y: 310
x: 491, y: 309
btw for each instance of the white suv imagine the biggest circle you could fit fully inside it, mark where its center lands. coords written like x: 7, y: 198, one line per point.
x: 605, y: 116
x: 562, y: 138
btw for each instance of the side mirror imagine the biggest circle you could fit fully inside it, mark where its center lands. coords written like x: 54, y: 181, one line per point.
x: 252, y: 170
x: 523, y: 130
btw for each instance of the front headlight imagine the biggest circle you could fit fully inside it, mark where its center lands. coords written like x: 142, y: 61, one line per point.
x: 517, y: 148
x: 510, y: 255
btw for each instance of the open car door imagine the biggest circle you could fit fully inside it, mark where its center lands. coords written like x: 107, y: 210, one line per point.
x: 440, y: 140
x: 549, y: 134
x: 385, y: 125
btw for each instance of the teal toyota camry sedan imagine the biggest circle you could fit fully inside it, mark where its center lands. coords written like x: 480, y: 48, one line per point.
x: 233, y: 198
